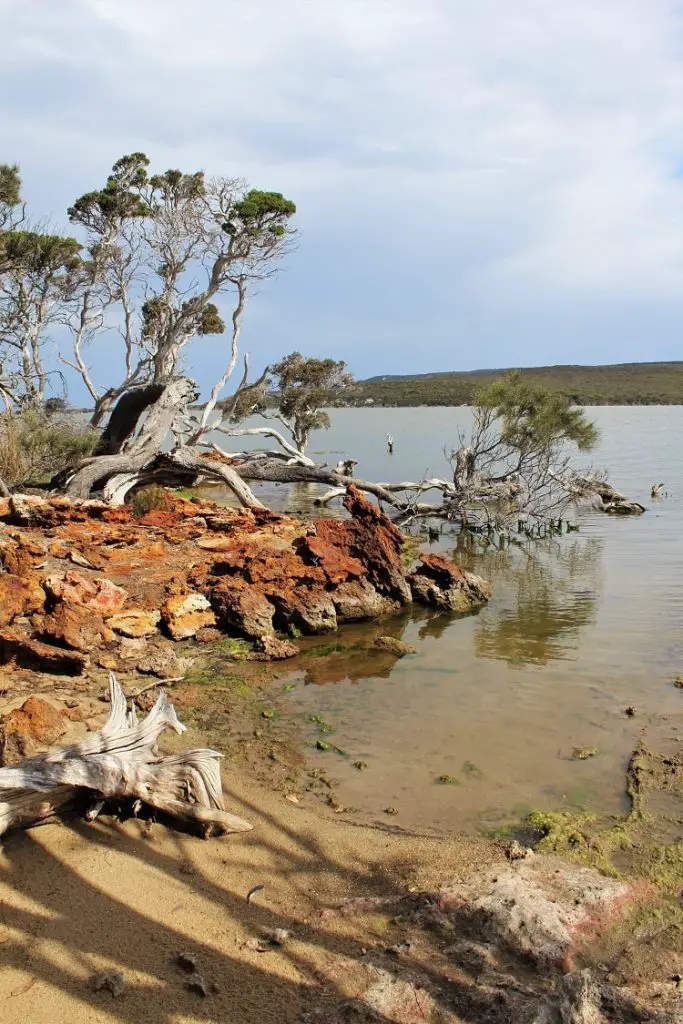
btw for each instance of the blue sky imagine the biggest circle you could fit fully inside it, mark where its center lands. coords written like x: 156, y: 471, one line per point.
x: 479, y: 182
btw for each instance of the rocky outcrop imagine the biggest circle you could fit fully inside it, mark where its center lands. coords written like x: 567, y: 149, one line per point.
x: 193, y: 567
x: 443, y: 584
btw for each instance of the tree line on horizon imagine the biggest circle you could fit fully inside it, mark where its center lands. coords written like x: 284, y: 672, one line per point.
x: 619, y: 384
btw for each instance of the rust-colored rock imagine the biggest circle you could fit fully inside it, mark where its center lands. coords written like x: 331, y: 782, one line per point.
x: 19, y: 597
x: 25, y: 730
x: 23, y: 650
x: 100, y: 595
x: 242, y: 608
x: 443, y: 584
x: 185, y: 614
x: 249, y: 572
x: 72, y: 626
x: 135, y: 622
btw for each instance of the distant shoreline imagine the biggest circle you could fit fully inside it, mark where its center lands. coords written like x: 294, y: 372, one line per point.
x: 618, y: 384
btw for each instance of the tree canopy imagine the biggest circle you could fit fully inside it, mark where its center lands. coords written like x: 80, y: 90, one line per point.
x: 303, y: 386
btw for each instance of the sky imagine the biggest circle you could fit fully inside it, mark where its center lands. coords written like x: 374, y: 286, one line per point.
x: 479, y: 183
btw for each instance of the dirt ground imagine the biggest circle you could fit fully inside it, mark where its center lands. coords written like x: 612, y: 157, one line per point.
x: 78, y: 899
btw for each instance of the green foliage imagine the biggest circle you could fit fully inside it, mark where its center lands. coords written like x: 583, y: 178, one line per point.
x: 303, y: 387
x: 532, y: 416
x: 37, y: 255
x: 10, y: 186
x: 623, y: 384
x: 148, y: 499
x: 258, y: 209
x: 35, y: 446
x: 119, y: 200
x: 210, y: 320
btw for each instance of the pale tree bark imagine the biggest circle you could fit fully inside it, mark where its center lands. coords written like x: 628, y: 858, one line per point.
x: 120, y: 762
x: 220, y: 384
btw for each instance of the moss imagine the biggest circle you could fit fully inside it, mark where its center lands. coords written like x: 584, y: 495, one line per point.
x: 447, y: 780
x: 583, y: 753
x: 234, y: 646
x: 318, y: 720
x: 663, y: 865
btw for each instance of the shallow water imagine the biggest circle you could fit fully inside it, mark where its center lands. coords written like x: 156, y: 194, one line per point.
x: 578, y: 629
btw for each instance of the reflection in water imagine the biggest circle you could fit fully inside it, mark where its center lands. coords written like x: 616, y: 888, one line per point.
x: 350, y: 656
x: 545, y: 597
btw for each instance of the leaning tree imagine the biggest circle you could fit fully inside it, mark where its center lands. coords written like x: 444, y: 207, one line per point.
x: 162, y: 250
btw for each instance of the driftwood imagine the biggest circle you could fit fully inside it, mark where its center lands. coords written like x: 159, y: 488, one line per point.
x: 120, y: 762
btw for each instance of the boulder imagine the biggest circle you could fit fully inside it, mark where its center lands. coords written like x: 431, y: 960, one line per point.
x: 358, y: 600
x: 135, y: 623
x: 72, y: 626
x: 185, y: 614
x: 443, y: 584
x: 242, y: 608
x: 100, y: 595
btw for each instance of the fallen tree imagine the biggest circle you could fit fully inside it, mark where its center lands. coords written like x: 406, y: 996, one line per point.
x: 514, y: 468
x: 120, y: 763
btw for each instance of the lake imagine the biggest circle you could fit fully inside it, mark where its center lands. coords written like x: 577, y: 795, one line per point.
x: 578, y: 629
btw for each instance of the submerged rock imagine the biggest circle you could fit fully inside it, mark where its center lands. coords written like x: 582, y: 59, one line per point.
x: 443, y: 584
x: 390, y: 643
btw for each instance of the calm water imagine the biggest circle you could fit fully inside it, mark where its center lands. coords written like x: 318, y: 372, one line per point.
x: 577, y: 630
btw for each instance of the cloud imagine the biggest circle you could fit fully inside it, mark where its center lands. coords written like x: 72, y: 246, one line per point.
x: 479, y: 182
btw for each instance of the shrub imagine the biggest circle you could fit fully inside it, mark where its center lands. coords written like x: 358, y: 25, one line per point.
x: 35, y: 445
x: 148, y: 499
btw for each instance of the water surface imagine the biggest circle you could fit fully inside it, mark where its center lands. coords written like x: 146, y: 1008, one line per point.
x: 578, y: 629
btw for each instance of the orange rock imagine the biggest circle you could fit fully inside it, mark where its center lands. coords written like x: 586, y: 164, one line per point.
x: 99, y: 594
x: 186, y: 614
x: 108, y: 661
x: 19, y: 597
x: 35, y: 724
x: 71, y: 626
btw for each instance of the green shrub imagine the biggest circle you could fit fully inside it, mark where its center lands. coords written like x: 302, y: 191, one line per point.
x: 148, y: 499
x: 36, y: 444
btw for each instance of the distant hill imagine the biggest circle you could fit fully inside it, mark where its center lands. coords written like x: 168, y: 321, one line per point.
x: 620, y: 384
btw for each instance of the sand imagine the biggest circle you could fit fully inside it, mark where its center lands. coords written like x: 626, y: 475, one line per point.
x: 78, y: 899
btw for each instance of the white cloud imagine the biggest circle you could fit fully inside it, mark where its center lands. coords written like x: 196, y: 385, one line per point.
x: 485, y: 151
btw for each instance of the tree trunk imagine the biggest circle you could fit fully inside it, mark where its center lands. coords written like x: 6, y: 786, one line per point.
x: 162, y: 404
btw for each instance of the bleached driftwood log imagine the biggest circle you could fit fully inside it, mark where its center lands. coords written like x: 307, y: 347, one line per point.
x: 120, y: 762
